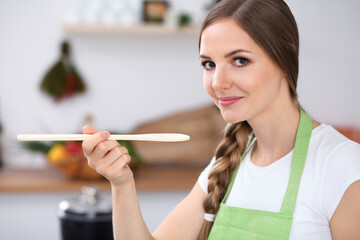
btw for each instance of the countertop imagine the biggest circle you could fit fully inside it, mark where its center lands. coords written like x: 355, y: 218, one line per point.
x: 50, y: 180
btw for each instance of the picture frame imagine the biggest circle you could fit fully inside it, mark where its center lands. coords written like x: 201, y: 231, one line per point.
x: 154, y: 11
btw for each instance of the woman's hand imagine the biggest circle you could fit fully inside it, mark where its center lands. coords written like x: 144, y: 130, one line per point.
x: 107, y: 157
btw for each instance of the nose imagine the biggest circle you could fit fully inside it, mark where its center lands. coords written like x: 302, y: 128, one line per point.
x: 221, y: 79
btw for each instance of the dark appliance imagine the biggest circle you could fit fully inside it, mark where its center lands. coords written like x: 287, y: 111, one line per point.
x: 87, y: 217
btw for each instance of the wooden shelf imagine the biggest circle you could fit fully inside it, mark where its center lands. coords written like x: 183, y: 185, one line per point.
x: 51, y: 180
x: 140, y: 29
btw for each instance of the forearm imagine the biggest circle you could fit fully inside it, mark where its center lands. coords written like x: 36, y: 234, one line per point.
x: 128, y: 223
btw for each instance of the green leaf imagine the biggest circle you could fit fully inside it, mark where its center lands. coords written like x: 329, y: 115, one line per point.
x: 54, y: 80
x: 37, y: 146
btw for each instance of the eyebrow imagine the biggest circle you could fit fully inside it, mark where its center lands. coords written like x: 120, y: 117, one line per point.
x: 228, y: 54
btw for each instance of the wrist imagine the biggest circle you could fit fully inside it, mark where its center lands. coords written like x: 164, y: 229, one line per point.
x: 123, y: 177
x: 124, y: 187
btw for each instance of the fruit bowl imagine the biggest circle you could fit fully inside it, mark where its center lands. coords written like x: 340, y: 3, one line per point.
x: 69, y: 158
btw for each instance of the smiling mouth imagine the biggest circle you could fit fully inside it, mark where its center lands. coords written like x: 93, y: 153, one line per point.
x: 227, y: 101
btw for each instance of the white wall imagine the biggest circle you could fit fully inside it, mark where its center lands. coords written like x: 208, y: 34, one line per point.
x: 329, y: 81
x: 132, y: 79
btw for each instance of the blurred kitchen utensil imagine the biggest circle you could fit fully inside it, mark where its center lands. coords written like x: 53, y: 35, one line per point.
x: 87, y: 217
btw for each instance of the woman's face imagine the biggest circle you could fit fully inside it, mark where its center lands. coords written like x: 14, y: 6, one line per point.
x: 239, y: 76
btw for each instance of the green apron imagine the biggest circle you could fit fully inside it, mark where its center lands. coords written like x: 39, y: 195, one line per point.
x: 232, y: 223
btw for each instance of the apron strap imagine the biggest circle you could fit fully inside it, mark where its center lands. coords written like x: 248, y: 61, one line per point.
x: 298, y: 162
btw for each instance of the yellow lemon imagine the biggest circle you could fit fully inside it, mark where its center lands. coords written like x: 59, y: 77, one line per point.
x: 57, y: 153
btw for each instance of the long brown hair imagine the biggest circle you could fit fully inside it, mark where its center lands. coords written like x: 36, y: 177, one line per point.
x: 272, y: 26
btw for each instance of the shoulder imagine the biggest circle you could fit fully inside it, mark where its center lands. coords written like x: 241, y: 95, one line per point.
x: 335, y: 159
x: 327, y: 143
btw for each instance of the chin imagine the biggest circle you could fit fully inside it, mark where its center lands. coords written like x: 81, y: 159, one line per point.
x: 231, y: 118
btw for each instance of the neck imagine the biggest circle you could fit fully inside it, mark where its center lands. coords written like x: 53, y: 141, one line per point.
x: 275, y: 132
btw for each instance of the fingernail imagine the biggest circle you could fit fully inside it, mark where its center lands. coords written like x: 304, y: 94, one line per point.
x: 106, y: 134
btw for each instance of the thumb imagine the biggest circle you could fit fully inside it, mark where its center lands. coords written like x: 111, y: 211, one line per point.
x: 89, y: 130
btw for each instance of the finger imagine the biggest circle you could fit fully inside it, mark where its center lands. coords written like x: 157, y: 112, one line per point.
x: 103, y: 148
x: 116, y: 154
x: 121, y: 162
x: 92, y: 141
x: 89, y: 130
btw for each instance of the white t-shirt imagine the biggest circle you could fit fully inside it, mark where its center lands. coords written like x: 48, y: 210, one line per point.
x: 332, y: 165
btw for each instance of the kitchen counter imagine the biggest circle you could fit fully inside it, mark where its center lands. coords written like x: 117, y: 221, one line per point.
x: 146, y: 178
x: 29, y: 198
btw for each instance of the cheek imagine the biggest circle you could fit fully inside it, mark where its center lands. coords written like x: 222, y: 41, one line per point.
x: 207, y: 82
x: 266, y: 84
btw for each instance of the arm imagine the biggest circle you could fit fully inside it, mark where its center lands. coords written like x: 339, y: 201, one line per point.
x: 345, y: 222
x: 111, y: 160
x: 186, y: 220
x: 128, y: 222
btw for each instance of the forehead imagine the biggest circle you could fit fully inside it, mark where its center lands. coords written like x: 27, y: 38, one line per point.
x: 225, y: 35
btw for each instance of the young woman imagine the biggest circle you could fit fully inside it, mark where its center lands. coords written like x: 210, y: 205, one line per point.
x: 277, y: 174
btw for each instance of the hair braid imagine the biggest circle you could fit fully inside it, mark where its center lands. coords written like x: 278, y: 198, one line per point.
x: 228, y: 156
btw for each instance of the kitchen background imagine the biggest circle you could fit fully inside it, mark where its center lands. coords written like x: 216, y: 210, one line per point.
x: 132, y: 79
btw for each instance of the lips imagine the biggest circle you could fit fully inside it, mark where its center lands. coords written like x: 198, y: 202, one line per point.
x: 227, y: 101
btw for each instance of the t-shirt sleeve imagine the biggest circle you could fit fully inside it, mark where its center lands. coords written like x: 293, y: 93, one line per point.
x: 203, y: 178
x: 341, y: 170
